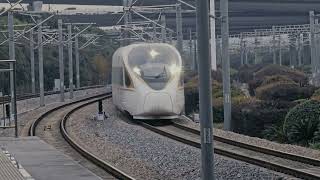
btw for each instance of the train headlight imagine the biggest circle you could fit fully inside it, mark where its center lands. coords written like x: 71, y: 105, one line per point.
x: 174, y: 69
x: 137, y: 70
x: 153, y: 53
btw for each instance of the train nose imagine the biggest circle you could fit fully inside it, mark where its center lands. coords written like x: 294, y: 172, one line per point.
x: 158, y: 104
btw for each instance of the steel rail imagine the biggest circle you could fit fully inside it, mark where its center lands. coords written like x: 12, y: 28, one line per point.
x: 91, y: 157
x: 233, y: 154
x: 83, y: 152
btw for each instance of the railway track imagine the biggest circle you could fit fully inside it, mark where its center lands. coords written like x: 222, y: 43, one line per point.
x: 50, y: 127
x: 6, y: 99
x: 291, y: 164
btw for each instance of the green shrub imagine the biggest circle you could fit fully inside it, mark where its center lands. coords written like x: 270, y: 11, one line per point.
x: 252, y: 116
x: 276, y: 78
x: 315, y: 145
x: 275, y: 133
x: 302, y: 122
x: 246, y: 72
x: 285, y: 91
x: 271, y: 70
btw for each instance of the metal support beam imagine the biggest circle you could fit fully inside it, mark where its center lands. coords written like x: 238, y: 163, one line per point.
x: 312, y: 43
x: 274, y: 45
x: 70, y: 61
x: 33, y: 77
x: 179, y: 28
x: 256, y: 42
x: 12, y: 54
x: 246, y: 51
x: 163, y: 28
x: 206, y: 123
x: 76, y: 49
x: 13, y: 109
x: 61, y: 63
x: 195, y: 55
x: 300, y: 49
x: 213, y: 37
x: 191, y: 49
x: 40, y: 56
x: 241, y: 50
x: 280, y: 51
x: 154, y: 36
x: 226, y: 64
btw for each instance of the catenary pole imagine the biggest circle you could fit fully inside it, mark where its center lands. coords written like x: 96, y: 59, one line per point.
x: 70, y: 60
x: 312, y: 42
x: 61, y: 63
x: 179, y: 28
x: 163, y: 28
x: 274, y: 45
x: 207, y: 171
x: 13, y: 109
x: 213, y: 36
x: 76, y: 49
x: 33, y: 79
x: 40, y: 56
x: 226, y: 64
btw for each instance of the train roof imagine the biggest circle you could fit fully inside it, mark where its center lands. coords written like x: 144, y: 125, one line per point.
x: 123, y: 51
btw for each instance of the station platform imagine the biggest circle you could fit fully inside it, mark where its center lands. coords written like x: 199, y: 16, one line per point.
x: 42, y: 161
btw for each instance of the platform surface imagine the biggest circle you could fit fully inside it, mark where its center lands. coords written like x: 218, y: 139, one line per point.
x: 7, y: 169
x: 43, y: 162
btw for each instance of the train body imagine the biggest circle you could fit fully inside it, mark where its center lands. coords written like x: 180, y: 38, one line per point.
x: 147, y: 81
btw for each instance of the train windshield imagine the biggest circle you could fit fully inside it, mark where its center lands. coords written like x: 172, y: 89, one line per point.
x: 156, y: 65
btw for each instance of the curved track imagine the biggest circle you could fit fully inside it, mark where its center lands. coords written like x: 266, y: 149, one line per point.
x: 50, y: 127
x: 6, y: 99
x: 295, y: 165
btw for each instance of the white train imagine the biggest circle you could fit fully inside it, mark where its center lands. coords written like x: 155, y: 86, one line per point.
x: 147, y: 81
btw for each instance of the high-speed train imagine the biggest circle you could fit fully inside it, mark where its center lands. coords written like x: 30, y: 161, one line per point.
x: 147, y: 81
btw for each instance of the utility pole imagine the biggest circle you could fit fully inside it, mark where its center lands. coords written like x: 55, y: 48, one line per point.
x: 33, y: 79
x: 317, y: 46
x: 61, y: 63
x: 274, y: 45
x: 246, y: 52
x: 300, y: 49
x: 206, y: 124
x: 195, y: 56
x: 76, y: 49
x: 179, y: 28
x: 163, y: 28
x: 12, y: 57
x: 226, y: 64
x: 256, y: 49
x: 213, y: 36
x: 170, y: 37
x: 312, y: 43
x: 70, y: 60
x: 190, y: 48
x: 280, y: 51
x: 241, y: 50
x: 40, y: 56
x: 154, y: 36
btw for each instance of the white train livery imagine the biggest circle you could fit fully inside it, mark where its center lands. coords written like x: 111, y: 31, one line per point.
x: 147, y: 81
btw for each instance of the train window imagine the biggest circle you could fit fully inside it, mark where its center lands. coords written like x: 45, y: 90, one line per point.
x: 117, y: 76
x: 155, y: 64
x: 127, y: 79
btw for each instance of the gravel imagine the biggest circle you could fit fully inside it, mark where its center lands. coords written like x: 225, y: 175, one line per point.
x: 146, y: 155
x: 294, y: 149
x: 29, y: 110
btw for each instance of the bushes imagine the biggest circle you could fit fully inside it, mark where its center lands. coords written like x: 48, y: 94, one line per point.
x: 285, y: 91
x: 271, y: 70
x: 251, y: 116
x: 276, y: 78
x: 301, y: 123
